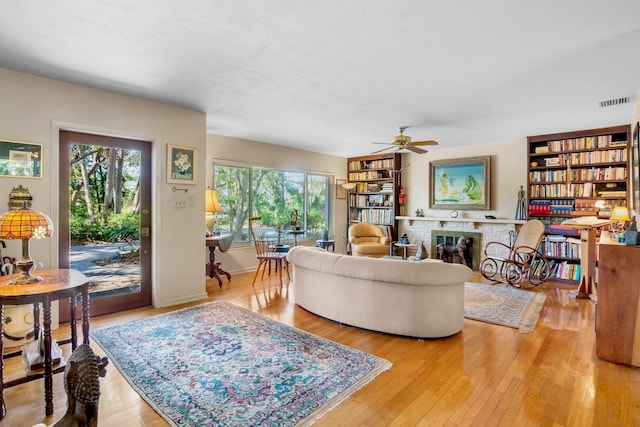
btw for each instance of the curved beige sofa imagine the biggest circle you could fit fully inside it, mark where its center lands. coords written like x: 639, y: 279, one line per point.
x: 413, y: 298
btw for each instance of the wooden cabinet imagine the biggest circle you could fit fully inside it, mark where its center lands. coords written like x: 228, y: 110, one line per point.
x: 618, y: 306
x: 375, y: 196
x: 568, y: 173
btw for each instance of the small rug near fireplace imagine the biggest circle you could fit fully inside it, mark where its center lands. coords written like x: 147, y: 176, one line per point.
x: 504, y: 306
x: 218, y: 364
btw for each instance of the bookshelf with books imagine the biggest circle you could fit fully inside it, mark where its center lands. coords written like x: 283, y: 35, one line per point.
x: 568, y: 173
x: 375, y: 196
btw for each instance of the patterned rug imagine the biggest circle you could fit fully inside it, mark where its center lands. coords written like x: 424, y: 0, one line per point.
x: 217, y: 364
x: 504, y: 306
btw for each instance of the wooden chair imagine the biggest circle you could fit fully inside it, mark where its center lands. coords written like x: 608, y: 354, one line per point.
x: 266, y: 252
x: 523, y: 260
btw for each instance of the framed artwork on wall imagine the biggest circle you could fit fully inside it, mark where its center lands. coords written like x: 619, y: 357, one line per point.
x: 460, y: 183
x: 20, y: 159
x: 181, y: 165
x: 341, y: 192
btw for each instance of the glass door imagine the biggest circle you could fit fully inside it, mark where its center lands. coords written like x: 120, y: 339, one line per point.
x: 105, y: 218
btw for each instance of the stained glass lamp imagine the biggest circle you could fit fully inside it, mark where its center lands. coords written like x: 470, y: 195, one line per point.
x: 25, y: 224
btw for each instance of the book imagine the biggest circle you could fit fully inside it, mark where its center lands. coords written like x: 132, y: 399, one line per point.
x: 586, y: 222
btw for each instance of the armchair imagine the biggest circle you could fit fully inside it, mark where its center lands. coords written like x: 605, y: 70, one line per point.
x: 368, y: 240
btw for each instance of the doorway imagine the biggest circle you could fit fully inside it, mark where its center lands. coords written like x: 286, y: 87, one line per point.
x: 105, y: 218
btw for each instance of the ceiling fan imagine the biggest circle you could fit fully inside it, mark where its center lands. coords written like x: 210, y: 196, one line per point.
x: 403, y: 142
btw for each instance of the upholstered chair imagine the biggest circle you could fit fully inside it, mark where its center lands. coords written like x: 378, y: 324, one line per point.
x: 368, y: 240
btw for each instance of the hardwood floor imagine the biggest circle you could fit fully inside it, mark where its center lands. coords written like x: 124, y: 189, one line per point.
x: 485, y: 375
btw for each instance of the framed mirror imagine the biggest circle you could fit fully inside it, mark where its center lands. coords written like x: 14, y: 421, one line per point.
x: 20, y: 159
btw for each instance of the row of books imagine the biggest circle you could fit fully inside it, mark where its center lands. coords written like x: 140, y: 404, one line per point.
x: 373, y: 164
x: 593, y: 174
x: 550, y: 207
x: 590, y: 157
x: 586, y: 158
x: 367, y: 187
x: 551, y: 221
x: 585, y: 143
x: 587, y: 189
x: 558, y: 269
x: 364, y: 200
x: 561, y: 246
x: 378, y: 216
x: 367, y: 175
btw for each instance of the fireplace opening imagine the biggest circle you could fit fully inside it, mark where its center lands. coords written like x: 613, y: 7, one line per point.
x: 456, y: 247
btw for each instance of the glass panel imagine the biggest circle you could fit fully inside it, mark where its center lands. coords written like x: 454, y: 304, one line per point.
x: 317, y: 205
x: 291, y: 204
x: 232, y: 184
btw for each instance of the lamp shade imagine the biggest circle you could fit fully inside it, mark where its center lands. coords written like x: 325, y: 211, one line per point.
x: 349, y: 185
x: 25, y: 224
x: 212, y: 204
x: 620, y: 213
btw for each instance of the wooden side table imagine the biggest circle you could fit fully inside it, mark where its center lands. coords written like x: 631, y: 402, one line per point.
x: 223, y: 242
x: 57, y: 284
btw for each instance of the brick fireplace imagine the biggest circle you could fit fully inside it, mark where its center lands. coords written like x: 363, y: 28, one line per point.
x: 480, y: 230
x: 472, y: 253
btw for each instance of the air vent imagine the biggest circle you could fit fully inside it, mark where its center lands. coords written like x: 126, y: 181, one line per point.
x: 616, y: 101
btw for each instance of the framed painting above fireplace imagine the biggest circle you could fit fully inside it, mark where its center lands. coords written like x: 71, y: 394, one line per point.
x: 460, y: 183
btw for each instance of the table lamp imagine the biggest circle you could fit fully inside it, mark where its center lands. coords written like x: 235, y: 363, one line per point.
x: 25, y: 224
x: 211, y: 207
x: 620, y: 214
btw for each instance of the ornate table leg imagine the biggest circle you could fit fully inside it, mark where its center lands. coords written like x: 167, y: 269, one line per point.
x: 214, y: 267
x: 72, y: 324
x: 48, y: 365
x: 85, y: 314
x: 3, y: 408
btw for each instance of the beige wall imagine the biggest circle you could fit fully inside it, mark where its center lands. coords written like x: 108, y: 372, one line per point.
x: 34, y: 109
x: 241, y: 152
x: 508, y: 173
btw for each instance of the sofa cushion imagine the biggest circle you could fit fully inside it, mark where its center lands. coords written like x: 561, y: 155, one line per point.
x: 378, y: 269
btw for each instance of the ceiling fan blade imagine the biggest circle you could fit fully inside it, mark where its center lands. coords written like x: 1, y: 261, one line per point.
x: 382, y: 143
x: 414, y: 143
x: 384, y: 149
x: 415, y: 149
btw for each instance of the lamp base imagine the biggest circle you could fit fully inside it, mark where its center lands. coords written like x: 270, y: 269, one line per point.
x: 24, y: 278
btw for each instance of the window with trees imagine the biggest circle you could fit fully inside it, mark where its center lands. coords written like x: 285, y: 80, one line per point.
x: 273, y: 195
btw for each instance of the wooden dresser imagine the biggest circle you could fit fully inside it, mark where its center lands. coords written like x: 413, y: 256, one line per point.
x: 618, y: 306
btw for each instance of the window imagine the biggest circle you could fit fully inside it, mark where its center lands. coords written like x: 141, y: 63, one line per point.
x: 272, y: 194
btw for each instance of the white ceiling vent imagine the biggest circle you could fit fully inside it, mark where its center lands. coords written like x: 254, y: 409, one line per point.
x: 617, y: 101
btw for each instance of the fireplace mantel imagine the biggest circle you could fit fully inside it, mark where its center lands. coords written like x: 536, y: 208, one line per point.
x: 474, y: 221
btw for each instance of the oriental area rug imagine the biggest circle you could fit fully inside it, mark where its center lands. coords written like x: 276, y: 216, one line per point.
x: 504, y: 306
x: 218, y: 364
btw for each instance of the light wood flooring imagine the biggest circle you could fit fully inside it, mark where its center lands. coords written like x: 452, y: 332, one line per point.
x: 485, y: 375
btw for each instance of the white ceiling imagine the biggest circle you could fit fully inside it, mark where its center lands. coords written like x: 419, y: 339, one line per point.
x: 331, y: 76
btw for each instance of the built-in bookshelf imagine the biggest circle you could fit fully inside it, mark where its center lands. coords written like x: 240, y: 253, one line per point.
x: 568, y: 174
x: 375, y: 196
